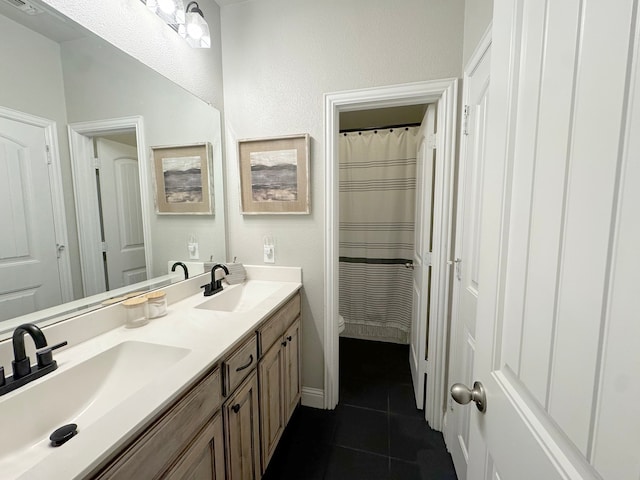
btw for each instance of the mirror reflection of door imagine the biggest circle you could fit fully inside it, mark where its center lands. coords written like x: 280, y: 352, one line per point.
x: 29, y: 272
x: 118, y: 184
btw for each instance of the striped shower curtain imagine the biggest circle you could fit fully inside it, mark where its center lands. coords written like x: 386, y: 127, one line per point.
x: 377, y: 195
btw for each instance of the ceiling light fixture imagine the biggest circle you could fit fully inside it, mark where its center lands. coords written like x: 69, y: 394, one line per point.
x: 195, y: 29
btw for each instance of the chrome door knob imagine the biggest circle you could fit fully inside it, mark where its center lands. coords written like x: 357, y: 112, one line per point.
x: 463, y: 395
x: 409, y: 265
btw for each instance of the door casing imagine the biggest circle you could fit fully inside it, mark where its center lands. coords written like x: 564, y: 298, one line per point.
x: 84, y: 182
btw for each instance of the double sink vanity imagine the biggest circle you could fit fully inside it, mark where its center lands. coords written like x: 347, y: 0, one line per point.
x: 203, y: 392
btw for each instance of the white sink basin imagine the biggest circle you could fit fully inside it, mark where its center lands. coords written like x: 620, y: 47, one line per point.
x: 82, y: 394
x: 241, y: 298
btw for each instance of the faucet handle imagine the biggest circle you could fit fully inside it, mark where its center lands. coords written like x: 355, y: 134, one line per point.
x: 45, y: 355
x: 208, y: 290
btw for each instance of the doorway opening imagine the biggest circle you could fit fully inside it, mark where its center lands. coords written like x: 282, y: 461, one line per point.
x: 112, y: 202
x: 443, y: 93
x: 377, y: 163
x: 381, y: 203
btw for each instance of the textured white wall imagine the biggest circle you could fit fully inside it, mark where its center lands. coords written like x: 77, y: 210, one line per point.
x: 477, y: 17
x: 279, y: 58
x: 128, y: 25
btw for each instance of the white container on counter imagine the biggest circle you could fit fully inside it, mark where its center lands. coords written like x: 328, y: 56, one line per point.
x: 157, y: 303
x: 137, y: 311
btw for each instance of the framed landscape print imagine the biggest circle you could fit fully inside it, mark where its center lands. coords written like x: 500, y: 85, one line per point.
x: 183, y: 179
x: 274, y: 175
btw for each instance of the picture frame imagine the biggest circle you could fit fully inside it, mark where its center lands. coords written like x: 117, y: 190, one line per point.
x: 182, y: 178
x: 274, y: 175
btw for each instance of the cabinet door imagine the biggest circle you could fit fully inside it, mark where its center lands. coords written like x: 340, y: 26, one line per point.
x: 272, y: 406
x: 291, y: 368
x: 242, y: 431
x: 204, y: 458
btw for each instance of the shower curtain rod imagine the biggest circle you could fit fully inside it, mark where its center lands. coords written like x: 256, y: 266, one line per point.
x: 349, y: 130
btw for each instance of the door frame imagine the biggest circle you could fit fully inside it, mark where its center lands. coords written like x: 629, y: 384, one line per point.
x: 84, y: 181
x: 445, y: 93
x: 57, y: 193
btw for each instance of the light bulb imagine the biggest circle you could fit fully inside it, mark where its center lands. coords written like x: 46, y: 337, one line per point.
x: 194, y: 31
x: 167, y: 6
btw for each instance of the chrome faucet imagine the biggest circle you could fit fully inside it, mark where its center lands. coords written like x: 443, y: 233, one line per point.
x: 216, y: 285
x: 23, y: 372
x: 184, y: 267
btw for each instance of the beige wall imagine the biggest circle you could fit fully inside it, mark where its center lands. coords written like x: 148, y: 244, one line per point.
x: 477, y: 17
x: 279, y: 58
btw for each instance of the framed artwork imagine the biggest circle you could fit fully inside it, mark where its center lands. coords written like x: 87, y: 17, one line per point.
x: 274, y: 175
x: 183, y: 179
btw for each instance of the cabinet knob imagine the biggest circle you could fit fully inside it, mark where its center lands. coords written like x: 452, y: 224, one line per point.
x: 236, y: 408
x: 284, y: 344
x: 289, y: 338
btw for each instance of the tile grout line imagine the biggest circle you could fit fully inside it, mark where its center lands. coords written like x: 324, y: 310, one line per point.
x: 389, y: 430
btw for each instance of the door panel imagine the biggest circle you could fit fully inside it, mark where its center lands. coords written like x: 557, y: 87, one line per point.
x: 467, y: 252
x: 557, y: 314
x: 122, y: 213
x: 29, y: 275
x: 421, y: 255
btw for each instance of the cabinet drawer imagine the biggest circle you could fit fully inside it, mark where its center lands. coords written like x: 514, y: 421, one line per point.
x: 161, y: 443
x: 240, y: 364
x: 273, y: 328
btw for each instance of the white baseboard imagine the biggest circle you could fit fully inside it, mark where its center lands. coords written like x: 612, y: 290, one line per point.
x: 312, y: 397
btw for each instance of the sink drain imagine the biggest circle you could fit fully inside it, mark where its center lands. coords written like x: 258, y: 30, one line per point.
x: 63, y: 434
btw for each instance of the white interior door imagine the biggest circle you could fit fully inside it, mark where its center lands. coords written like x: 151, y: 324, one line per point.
x: 425, y: 159
x: 121, y: 213
x: 558, y: 322
x: 29, y: 273
x: 467, y: 248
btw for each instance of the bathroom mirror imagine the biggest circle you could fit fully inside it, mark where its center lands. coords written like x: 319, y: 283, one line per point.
x: 84, y: 97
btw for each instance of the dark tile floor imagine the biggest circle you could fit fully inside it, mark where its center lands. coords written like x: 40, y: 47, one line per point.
x: 376, y: 432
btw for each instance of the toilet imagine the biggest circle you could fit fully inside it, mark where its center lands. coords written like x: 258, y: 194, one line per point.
x: 340, y: 324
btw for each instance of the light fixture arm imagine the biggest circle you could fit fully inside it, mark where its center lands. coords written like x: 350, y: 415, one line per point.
x: 195, y: 9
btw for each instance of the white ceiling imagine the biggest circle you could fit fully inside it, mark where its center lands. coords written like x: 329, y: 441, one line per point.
x: 48, y: 23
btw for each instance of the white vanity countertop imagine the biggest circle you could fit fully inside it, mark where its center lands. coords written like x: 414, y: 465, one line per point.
x: 207, y: 335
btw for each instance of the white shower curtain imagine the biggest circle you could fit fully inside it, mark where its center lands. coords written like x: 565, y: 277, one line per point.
x: 377, y: 198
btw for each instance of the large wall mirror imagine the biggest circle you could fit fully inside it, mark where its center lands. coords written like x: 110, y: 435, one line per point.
x: 78, y: 119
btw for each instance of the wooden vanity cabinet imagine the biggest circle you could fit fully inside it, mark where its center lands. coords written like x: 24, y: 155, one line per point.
x: 172, y: 443
x: 278, y: 374
x: 228, y: 425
